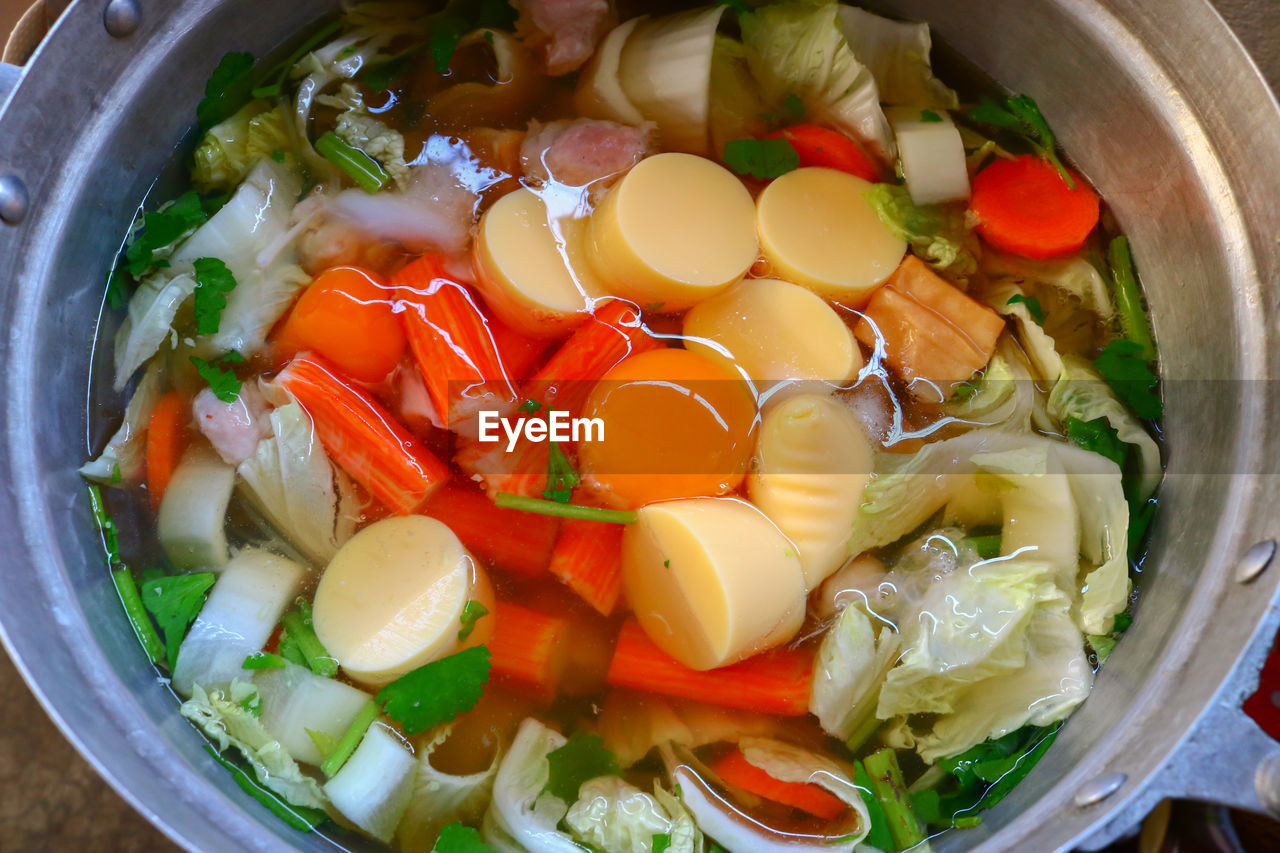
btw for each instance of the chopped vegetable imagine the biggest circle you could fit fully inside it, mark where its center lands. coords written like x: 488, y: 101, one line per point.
x: 891, y: 792
x: 987, y: 547
x: 815, y: 145
x: 773, y: 682
x: 191, y: 523
x: 161, y: 231
x: 345, y: 745
x: 1133, y: 317
x: 938, y: 234
x: 562, y: 478
x: 223, y: 383
x: 165, y: 444
x: 1025, y: 207
x: 1099, y: 436
x: 1022, y: 115
x: 581, y: 758
x: 175, y: 602
x: 362, y: 437
x: 761, y: 158
x: 472, y: 612
x: 213, y: 282
x: 734, y: 769
x: 263, y: 660
x: 138, y: 619
x: 852, y: 663
x: 897, y: 54
x: 878, y: 836
x: 302, y: 637
x: 1033, y: 306
x: 588, y: 558
x: 612, y: 814
x: 231, y: 148
x: 1129, y: 375
x: 301, y: 818
x: 516, y: 542
x: 227, y: 89
x: 359, y: 166
x: 123, y: 460
x: 374, y: 786
x: 530, y: 649
x: 457, y: 838
x: 440, y: 799
x: 438, y: 691
x: 584, y: 513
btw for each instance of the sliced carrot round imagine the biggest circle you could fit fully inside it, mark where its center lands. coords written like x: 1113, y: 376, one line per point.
x: 347, y: 316
x: 829, y: 149
x: 166, y: 439
x: 1025, y: 207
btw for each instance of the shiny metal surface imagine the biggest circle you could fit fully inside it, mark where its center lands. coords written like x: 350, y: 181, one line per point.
x: 1156, y: 102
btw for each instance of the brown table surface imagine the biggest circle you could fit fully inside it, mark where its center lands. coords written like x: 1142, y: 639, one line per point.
x: 53, y: 800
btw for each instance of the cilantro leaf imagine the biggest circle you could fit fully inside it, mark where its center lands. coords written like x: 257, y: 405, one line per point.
x: 227, y: 89
x: 225, y: 385
x: 1099, y: 436
x: 741, y: 8
x: 562, y: 479
x: 263, y: 660
x: 458, y: 838
x: 117, y: 289
x: 530, y: 406
x: 161, y: 229
x: 213, y: 282
x: 583, y: 757
x: 793, y: 106
x: 930, y: 117
x: 1033, y: 306
x: 175, y: 601
x: 1121, y: 623
x: 1121, y: 364
x: 472, y: 612
x: 1021, y: 114
x: 761, y: 158
x: 436, y: 692
x: 661, y: 842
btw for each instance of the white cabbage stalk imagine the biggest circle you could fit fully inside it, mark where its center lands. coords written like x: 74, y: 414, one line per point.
x: 1082, y: 393
x: 852, y: 664
x: 797, y: 48
x: 123, y: 460
x: 220, y: 715
x: 191, y: 524
x: 296, y: 701
x: 522, y: 816
x: 614, y: 815
x: 1073, y: 276
x: 599, y: 93
x: 373, y: 788
x: 242, y: 610
x: 302, y: 494
x: 1039, y: 346
x: 148, y: 321
x: 737, y: 104
x: 897, y: 54
x: 931, y: 155
x: 1005, y: 396
x: 440, y: 798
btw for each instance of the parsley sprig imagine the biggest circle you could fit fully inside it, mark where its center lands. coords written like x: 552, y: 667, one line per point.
x: 1022, y: 115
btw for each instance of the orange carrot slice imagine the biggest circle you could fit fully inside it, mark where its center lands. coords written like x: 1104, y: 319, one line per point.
x: 517, y: 542
x: 362, y: 437
x: 529, y: 649
x: 773, y: 682
x: 588, y: 559
x: 829, y: 149
x: 734, y: 769
x: 347, y: 316
x: 1025, y: 207
x: 166, y: 440
x: 453, y: 342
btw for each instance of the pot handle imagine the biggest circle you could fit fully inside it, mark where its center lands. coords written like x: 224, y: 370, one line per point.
x: 1228, y: 760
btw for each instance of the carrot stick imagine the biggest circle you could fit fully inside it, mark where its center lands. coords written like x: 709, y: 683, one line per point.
x: 508, y: 539
x: 595, y: 348
x: 347, y: 316
x: 829, y: 149
x: 453, y: 342
x: 773, y: 682
x: 166, y: 440
x: 734, y: 769
x: 588, y: 558
x: 362, y: 437
x: 1024, y: 206
x: 523, y: 471
x: 528, y: 649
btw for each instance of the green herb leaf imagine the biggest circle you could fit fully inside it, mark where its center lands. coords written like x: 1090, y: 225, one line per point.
x: 583, y: 757
x: 1129, y: 375
x: 761, y: 158
x: 1102, y: 644
x: 175, y: 602
x: 563, y: 510
x: 1099, y: 436
x: 443, y: 40
x: 930, y: 117
x: 160, y: 230
x: 1033, y: 306
x: 458, y: 838
x: 1121, y: 623
x: 437, y: 692
x: 252, y: 703
x: 1139, y: 520
x: 117, y: 289
x: 223, y: 383
x: 213, y: 282
x: 530, y: 406
x: 472, y: 612
x: 227, y: 89
x: 988, y: 547
x: 793, y: 107
x: 301, y: 818
x: 263, y: 660
x: 359, y: 166
x: 302, y: 635
x: 1124, y: 283
x: 1022, y: 115
x: 661, y: 841
x: 562, y: 479
x: 740, y: 7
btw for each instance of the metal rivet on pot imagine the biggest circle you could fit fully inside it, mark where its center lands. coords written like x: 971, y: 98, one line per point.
x: 122, y: 17
x: 13, y: 199
x: 1255, y: 560
x: 1097, y: 790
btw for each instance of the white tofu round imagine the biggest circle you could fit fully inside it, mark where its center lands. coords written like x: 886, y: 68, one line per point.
x: 818, y: 230
x: 712, y: 580
x: 392, y: 598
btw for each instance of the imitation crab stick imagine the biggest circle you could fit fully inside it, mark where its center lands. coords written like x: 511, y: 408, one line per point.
x: 522, y: 471
x: 514, y: 541
x: 165, y: 443
x: 1025, y: 206
x: 830, y: 149
x: 596, y: 347
x: 362, y: 437
x: 773, y: 682
x: 734, y: 769
x: 347, y: 316
x: 529, y: 649
x: 453, y: 343
x: 588, y: 559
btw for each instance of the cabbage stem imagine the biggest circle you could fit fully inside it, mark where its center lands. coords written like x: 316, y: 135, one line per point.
x: 359, y: 166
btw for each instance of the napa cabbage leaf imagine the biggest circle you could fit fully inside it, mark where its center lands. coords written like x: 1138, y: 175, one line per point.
x: 897, y: 54
x: 123, y: 460
x: 230, y: 149
x: 939, y: 234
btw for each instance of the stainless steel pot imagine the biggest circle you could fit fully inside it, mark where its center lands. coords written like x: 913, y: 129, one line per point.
x: 1154, y: 98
